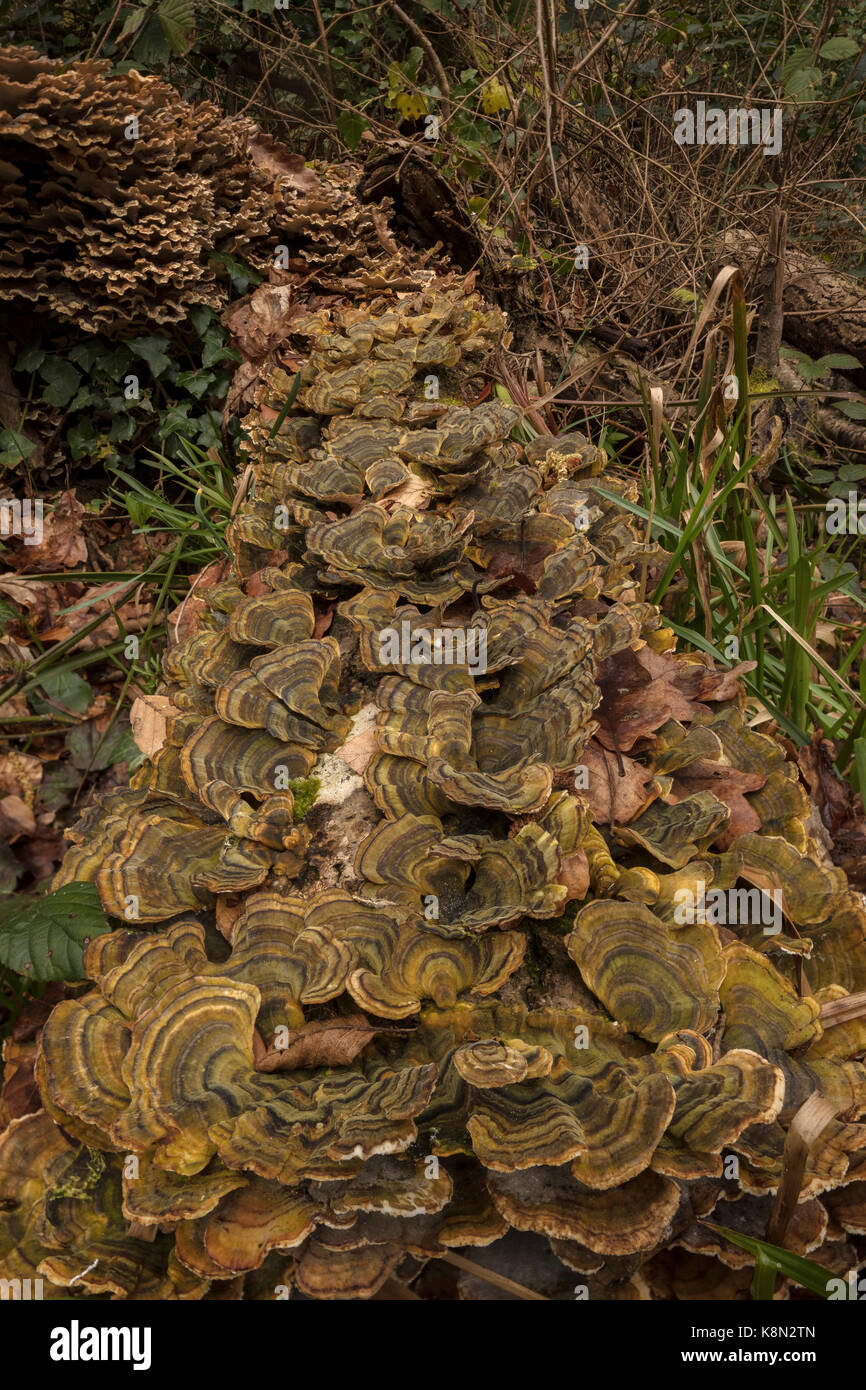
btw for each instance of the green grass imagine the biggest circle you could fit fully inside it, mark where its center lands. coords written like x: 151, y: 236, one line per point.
x: 755, y: 568
x: 190, y: 506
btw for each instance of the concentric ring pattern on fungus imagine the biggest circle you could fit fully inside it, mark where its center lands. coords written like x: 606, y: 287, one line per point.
x: 456, y: 1003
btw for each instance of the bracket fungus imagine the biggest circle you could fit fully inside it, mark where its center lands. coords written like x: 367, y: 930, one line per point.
x: 402, y: 1041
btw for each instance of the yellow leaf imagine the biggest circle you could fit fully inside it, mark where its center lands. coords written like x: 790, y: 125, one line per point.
x: 494, y: 97
x: 410, y: 105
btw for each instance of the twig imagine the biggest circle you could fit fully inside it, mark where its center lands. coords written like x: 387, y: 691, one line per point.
x: 444, y: 84
x: 326, y: 57
x: 490, y: 1275
x: 806, y: 1128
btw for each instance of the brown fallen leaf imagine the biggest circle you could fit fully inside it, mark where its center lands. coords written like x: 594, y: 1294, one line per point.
x: 256, y: 585
x: 356, y: 752
x: 274, y: 158
x: 635, y: 700
x: 575, y: 875
x: 323, y: 621
x: 148, y: 717
x: 16, y: 818
x: 616, y: 789
x: 333, y: 1042
x: 261, y: 321
x: 727, y: 784
x: 62, y: 545
x: 832, y: 796
x: 123, y: 616
x: 36, y: 596
x: 40, y: 854
x: 228, y: 909
x: 413, y: 493
x: 184, y: 619
x: 724, y: 685
x: 19, y: 1094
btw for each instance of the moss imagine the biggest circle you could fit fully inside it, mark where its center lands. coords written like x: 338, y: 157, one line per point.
x: 304, y: 790
x: 761, y: 380
x: 82, y: 1177
x: 565, y: 924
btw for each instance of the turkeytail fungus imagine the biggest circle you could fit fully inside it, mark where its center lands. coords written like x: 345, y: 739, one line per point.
x: 460, y: 1004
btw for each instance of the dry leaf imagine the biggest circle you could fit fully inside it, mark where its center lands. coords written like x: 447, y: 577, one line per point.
x: 331, y: 1042
x: 35, y: 595
x: 616, y: 789
x: 16, y: 818
x: 63, y: 545
x: 228, y: 909
x: 261, y: 321
x: 358, y: 751
x: 148, y: 718
x: 575, y: 875
x: 276, y: 159
x: 413, y: 493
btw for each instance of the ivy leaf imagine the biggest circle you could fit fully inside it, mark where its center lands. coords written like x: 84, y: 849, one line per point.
x: 241, y: 276
x: 61, y: 380
x: 44, y: 938
x: 152, y: 351
x: 216, y: 349
x: 201, y: 316
x: 30, y: 360
x: 14, y: 447
x: 197, y: 382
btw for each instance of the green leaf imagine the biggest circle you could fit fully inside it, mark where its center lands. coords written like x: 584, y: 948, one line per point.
x: 201, y: 316
x: 44, y: 938
x: 67, y: 689
x: 61, y: 380
x: 216, y: 349
x: 131, y: 24
x: 287, y: 405
x: 351, y: 125
x: 10, y: 870
x: 241, y: 276
x: 151, y: 351
x: 209, y: 436
x: 14, y: 447
x: 30, y: 360
x: 197, y: 382
x: 177, y: 18
x: 140, y: 510
x: 842, y: 361
x: 839, y: 48
x: 118, y: 747
x: 58, y: 786
x: 806, y: 1273
x: 855, y: 410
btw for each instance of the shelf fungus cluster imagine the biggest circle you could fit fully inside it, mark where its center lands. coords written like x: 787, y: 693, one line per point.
x: 117, y: 193
x: 561, y: 994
